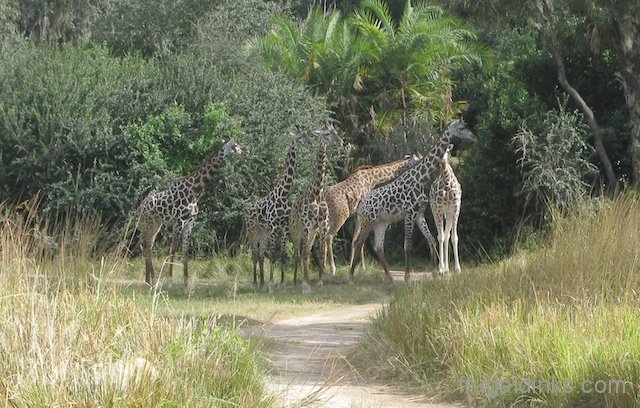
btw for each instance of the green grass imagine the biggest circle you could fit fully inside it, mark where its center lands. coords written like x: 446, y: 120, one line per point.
x: 567, y: 311
x: 223, y: 288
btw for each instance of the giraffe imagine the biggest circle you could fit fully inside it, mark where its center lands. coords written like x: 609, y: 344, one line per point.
x: 403, y: 198
x: 445, y: 198
x: 267, y: 220
x: 177, y: 208
x: 309, y: 216
x: 343, y: 198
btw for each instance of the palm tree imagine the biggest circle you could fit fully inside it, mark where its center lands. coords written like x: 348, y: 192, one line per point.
x: 371, y: 67
x: 419, y: 53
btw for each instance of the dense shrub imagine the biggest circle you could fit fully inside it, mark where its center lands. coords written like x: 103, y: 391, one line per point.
x: 92, y: 132
x: 61, y: 118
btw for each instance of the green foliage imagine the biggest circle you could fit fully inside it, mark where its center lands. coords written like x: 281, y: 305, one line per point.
x: 150, y: 27
x: 556, y: 166
x: 8, y: 13
x: 499, y: 103
x: 265, y: 105
x: 50, y: 21
x: 93, y: 132
x: 371, y: 67
x: 60, y: 115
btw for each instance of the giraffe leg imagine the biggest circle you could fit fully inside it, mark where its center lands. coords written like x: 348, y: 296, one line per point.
x: 149, y: 233
x: 454, y: 242
x: 323, y: 231
x: 254, y: 261
x: 424, y: 229
x: 360, y: 234
x: 308, y: 238
x: 261, y: 254
x: 326, y: 249
x: 355, y: 247
x: 186, y: 235
x: 440, y: 227
x: 273, y: 254
x: 408, y: 236
x: 379, y: 232
x: 325, y: 252
x: 296, y: 257
x: 447, y: 236
x: 283, y: 254
x: 172, y: 250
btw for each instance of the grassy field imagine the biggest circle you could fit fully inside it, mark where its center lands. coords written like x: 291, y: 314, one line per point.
x: 222, y: 287
x: 71, y: 339
x: 558, y: 326
x: 82, y: 329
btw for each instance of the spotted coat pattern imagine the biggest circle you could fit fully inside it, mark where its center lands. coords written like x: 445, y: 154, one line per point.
x: 309, y: 217
x: 445, y: 199
x: 405, y: 198
x: 267, y: 220
x: 343, y: 198
x: 177, y: 208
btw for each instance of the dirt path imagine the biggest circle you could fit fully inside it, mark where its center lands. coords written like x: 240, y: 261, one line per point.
x: 308, y: 362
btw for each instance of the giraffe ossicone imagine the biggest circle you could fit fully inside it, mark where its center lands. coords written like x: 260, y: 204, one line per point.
x: 177, y: 207
x: 404, y: 198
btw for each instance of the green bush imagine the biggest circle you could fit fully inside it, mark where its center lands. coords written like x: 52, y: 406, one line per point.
x: 92, y: 133
x: 61, y: 118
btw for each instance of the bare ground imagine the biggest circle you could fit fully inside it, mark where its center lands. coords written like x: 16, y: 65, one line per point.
x: 309, y: 366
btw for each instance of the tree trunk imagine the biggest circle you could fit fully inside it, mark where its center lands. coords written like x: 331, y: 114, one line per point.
x: 552, y: 46
x: 628, y: 46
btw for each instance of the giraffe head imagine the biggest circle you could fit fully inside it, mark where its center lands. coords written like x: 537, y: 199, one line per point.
x: 301, y: 137
x: 233, y: 147
x: 328, y: 136
x: 458, y: 129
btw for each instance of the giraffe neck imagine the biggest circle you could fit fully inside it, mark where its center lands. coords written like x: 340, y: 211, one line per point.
x: 384, y: 172
x: 315, y: 189
x: 447, y: 174
x: 199, y: 178
x: 284, y: 183
x: 428, y: 165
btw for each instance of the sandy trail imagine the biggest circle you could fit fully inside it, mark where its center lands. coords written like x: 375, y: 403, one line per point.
x: 308, y: 364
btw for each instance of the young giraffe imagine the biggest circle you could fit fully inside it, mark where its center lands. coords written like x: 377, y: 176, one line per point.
x: 343, y: 198
x: 310, y: 216
x: 445, y: 198
x: 403, y: 198
x: 267, y: 220
x: 177, y: 208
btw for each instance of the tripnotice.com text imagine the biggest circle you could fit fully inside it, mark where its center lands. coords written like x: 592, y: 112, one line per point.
x: 494, y: 388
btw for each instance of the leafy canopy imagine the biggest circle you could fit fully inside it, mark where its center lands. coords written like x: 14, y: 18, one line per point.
x: 369, y: 64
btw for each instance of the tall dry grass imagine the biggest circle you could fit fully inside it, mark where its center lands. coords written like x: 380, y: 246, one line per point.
x: 566, y: 312
x: 68, y: 340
